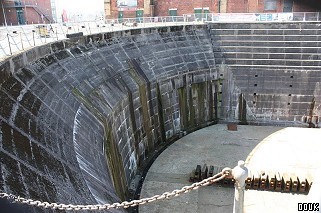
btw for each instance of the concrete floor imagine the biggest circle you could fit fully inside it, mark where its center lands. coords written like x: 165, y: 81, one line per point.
x: 214, y: 145
x: 290, y: 151
x: 270, y: 149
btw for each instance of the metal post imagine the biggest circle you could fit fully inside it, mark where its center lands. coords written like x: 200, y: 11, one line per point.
x: 240, y: 173
x: 89, y: 28
x: 21, y: 41
x: 33, y: 37
x: 9, y: 44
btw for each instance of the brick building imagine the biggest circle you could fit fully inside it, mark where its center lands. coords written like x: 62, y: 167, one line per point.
x: 128, y: 8
x: 137, y: 8
x: 15, y: 12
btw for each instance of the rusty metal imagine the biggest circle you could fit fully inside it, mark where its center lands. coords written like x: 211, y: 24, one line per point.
x: 287, y: 183
x: 256, y: 181
x: 197, y: 176
x: 304, y: 186
x: 204, y: 172
x: 211, y: 171
x: 232, y: 127
x: 279, y: 182
x: 264, y: 181
x: 272, y: 183
x: 295, y: 184
x: 248, y: 183
x: 192, y: 176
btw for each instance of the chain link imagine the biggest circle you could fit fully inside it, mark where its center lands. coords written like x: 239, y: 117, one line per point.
x: 125, y: 204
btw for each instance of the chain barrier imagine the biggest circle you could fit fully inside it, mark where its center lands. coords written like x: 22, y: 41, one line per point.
x: 125, y: 204
x: 14, y: 42
x: 25, y: 34
x: 111, y: 25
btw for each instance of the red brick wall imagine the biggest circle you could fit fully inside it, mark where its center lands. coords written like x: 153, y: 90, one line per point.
x: 252, y: 6
x: 140, y: 3
x: 114, y: 9
x: 45, y: 7
x: 127, y: 12
x: 183, y: 7
x: 187, y: 7
x: 257, y: 6
x: 30, y: 14
x: 237, y: 6
x: 162, y: 8
x: 11, y: 16
x: 32, y: 17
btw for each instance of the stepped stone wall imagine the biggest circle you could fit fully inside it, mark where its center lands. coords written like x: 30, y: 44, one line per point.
x: 81, y: 118
x: 275, y: 66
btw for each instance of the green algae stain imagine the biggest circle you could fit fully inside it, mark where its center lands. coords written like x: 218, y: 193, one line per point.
x: 115, y: 162
x: 160, y: 113
x: 242, y: 109
x: 114, y: 159
x: 146, y: 117
x: 182, y: 96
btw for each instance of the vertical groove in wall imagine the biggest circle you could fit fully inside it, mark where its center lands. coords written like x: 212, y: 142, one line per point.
x: 211, y: 103
x: 311, y: 112
x: 201, y: 102
x: 217, y: 99
x: 150, y: 110
x: 183, y: 108
x: 114, y: 159
x: 115, y: 162
x: 242, y: 109
x: 132, y: 118
x: 191, y: 116
x: 142, y: 81
x: 146, y: 116
x: 160, y: 113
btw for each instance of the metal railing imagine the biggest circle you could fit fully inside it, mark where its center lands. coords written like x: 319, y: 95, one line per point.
x: 15, y: 39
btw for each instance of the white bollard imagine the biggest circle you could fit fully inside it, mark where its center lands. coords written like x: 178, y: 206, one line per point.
x: 239, y: 173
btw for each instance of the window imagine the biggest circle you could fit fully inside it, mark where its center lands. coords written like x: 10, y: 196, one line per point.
x: 269, y: 4
x: 198, y: 13
x: 172, y: 12
x: 17, y: 3
x: 206, y: 9
x: 198, y: 10
x: 20, y: 16
x: 287, y: 5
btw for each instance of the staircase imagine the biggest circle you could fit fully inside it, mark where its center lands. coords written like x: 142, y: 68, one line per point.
x: 40, y: 12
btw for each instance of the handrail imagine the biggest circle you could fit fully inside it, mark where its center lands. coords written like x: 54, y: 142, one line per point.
x: 28, y: 36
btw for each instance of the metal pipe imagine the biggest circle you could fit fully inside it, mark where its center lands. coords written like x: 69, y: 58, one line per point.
x: 9, y: 44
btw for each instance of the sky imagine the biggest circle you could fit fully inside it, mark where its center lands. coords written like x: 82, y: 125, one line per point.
x: 80, y: 9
